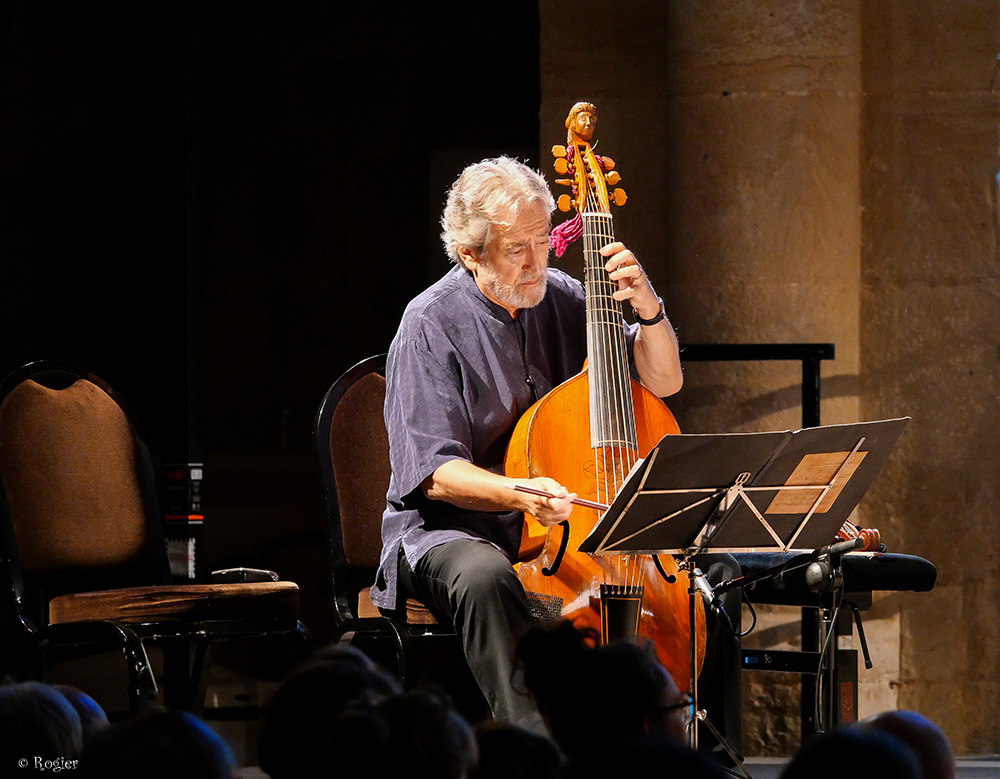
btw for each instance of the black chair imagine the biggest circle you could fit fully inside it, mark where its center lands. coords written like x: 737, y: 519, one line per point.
x: 352, y: 447
x: 84, y: 561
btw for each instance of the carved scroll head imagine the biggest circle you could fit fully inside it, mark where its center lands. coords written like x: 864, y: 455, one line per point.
x: 580, y: 122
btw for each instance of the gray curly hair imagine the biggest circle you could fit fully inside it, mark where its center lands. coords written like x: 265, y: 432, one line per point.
x: 487, y: 194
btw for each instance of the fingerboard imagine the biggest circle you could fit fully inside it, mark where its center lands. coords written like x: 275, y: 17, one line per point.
x: 612, y: 415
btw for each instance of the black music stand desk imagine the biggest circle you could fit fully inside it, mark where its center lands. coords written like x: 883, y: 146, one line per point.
x: 744, y: 492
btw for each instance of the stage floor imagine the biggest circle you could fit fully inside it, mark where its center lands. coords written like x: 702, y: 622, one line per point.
x: 968, y: 767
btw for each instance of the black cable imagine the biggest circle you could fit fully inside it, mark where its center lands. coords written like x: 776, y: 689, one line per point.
x: 818, y: 714
x: 753, y: 614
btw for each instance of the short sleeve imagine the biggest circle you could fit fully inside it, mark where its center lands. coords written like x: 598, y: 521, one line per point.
x: 426, y: 418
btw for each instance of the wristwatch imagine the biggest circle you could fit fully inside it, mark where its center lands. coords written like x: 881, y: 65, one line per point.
x: 660, y: 316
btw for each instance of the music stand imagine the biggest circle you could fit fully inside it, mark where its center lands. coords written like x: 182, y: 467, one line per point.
x: 742, y: 492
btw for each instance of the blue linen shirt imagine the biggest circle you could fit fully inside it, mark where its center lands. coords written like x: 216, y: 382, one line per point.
x: 460, y: 373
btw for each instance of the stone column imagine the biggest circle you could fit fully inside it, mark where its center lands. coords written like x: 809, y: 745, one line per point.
x: 930, y: 330
x: 824, y: 172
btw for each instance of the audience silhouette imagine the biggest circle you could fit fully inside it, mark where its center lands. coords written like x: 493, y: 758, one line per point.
x: 646, y: 754
x: 300, y: 720
x: 927, y: 741
x: 157, y: 744
x: 593, y: 694
x: 93, y: 719
x: 342, y: 709
x: 38, y: 724
x: 861, y: 754
x: 426, y: 738
x: 607, y: 706
x: 508, y: 751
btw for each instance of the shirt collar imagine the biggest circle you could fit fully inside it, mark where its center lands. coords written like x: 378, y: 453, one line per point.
x: 468, y: 282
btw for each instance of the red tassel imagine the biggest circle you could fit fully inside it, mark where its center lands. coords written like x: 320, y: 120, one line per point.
x: 563, y: 235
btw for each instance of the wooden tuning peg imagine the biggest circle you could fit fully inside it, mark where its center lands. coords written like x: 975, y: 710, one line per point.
x: 619, y: 197
x: 561, y: 166
x: 564, y: 203
x: 613, y: 177
x: 607, y: 163
x: 559, y: 151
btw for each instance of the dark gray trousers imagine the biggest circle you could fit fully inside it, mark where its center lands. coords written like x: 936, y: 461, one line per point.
x: 473, y: 585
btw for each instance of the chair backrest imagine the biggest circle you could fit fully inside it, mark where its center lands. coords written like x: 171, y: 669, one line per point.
x: 352, y: 448
x: 78, y: 505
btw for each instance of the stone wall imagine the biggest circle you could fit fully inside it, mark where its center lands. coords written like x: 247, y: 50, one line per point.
x: 930, y: 329
x: 823, y: 172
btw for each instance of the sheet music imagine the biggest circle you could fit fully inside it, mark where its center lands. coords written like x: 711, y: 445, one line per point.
x: 815, y: 469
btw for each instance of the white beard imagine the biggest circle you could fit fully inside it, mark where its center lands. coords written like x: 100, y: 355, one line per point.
x: 512, y: 295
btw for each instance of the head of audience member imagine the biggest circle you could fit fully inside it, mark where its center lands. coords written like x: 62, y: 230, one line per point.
x: 37, y: 722
x: 642, y: 753
x: 158, y: 744
x: 93, y: 718
x: 508, y: 751
x: 427, y: 737
x: 860, y: 754
x: 299, y: 722
x: 925, y: 738
x: 573, y: 677
x: 414, y: 734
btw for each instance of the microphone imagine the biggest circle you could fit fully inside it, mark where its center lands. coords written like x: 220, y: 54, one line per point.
x: 712, y: 601
x: 707, y: 591
x: 823, y: 574
x: 843, y: 547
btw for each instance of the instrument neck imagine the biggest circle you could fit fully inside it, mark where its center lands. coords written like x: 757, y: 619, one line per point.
x: 612, y: 416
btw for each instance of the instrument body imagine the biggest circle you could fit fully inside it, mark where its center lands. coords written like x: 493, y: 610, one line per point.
x: 545, y: 443
x: 586, y: 434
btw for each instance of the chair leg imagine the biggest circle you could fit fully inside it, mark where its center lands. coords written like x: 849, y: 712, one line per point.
x: 400, y: 637
x: 404, y: 652
x: 204, y: 656
x: 142, y: 686
x: 176, y: 672
x: 187, y: 662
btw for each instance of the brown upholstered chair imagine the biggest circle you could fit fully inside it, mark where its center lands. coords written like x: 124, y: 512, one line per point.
x: 84, y: 559
x: 352, y: 447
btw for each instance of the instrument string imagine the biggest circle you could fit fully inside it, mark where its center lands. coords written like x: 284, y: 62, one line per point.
x: 612, y: 412
x: 599, y: 356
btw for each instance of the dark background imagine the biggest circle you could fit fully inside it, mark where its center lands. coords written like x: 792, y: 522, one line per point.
x: 219, y: 207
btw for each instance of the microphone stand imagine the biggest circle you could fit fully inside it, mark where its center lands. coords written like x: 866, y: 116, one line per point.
x: 698, y: 586
x: 823, y: 573
x: 821, y: 556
